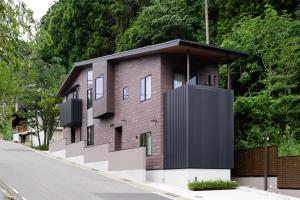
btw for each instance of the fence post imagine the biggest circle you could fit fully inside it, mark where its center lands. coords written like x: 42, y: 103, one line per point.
x: 266, y: 159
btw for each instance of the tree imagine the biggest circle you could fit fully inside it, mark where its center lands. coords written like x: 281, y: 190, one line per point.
x: 16, y: 24
x: 41, y: 82
x: 163, y: 21
x: 83, y: 29
x: 267, y: 84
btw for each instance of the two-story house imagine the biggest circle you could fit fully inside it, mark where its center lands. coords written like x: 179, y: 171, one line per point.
x: 155, y: 113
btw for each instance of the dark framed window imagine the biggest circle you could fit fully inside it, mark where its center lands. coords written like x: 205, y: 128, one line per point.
x: 146, y: 90
x: 146, y: 141
x: 125, y: 93
x: 99, y: 90
x: 89, y: 98
x: 89, y: 89
x: 90, y: 135
x: 90, y: 79
x: 72, y: 135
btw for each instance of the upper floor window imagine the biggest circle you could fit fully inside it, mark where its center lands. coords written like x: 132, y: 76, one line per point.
x: 146, y: 88
x: 99, y: 87
x: 90, y: 79
x: 125, y: 93
x: 89, y: 98
x: 89, y: 89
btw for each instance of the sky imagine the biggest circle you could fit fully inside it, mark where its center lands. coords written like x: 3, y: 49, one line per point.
x: 39, y: 7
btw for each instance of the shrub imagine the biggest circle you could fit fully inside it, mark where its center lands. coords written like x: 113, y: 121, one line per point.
x: 42, y: 147
x: 212, y: 185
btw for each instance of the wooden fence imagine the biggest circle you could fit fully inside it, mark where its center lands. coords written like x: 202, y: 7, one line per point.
x: 288, y: 172
x: 250, y: 163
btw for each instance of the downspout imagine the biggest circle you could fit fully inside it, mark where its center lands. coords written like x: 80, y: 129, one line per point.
x: 187, y: 106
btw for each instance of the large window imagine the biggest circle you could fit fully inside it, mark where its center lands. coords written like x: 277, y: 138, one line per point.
x: 146, y: 141
x: 179, y: 80
x: 146, y: 88
x: 90, y: 135
x: 125, y: 93
x: 99, y: 87
x: 89, y: 89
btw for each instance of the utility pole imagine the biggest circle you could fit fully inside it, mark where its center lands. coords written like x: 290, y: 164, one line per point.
x: 206, y: 22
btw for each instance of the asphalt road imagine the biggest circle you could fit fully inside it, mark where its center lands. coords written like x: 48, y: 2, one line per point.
x: 34, y: 176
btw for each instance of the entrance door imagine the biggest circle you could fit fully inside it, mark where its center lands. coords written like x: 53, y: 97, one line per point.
x: 72, y: 135
x: 118, y: 138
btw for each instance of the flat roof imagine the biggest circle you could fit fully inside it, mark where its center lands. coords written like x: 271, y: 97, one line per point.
x: 178, y: 46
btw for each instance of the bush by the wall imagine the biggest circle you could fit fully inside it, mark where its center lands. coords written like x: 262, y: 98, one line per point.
x: 212, y: 185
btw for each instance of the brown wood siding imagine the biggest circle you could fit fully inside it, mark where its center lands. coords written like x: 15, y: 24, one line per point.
x: 250, y: 162
x: 289, y: 172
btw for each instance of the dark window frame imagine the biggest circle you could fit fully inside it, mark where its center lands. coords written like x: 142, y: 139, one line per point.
x: 143, y: 142
x: 89, y: 139
x: 89, y: 81
x: 145, y: 88
x: 99, y: 77
x: 89, y: 100
x: 125, y: 97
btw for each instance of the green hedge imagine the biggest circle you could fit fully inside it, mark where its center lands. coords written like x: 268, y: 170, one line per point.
x: 212, y: 185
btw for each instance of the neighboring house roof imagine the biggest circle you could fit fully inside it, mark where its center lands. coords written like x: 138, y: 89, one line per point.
x: 220, y: 55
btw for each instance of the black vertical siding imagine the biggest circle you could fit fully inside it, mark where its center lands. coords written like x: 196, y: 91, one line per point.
x: 175, y: 129
x: 71, y: 113
x: 209, y: 141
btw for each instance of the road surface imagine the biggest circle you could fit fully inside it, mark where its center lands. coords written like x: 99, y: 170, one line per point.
x: 34, y: 176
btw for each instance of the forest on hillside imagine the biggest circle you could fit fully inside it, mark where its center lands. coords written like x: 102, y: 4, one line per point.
x: 266, y: 85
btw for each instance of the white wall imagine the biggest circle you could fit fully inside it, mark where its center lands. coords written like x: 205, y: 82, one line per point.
x: 181, y: 177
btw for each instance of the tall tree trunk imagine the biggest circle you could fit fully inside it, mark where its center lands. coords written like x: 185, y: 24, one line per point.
x: 37, y: 128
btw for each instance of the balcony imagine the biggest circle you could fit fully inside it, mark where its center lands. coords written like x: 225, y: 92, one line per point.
x: 71, y: 113
x: 198, y: 128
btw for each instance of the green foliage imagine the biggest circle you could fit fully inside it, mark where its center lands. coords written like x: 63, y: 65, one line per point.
x: 212, y: 185
x: 43, y: 147
x: 83, y: 29
x: 162, y: 21
x: 289, y: 146
x: 267, y: 84
x: 16, y: 24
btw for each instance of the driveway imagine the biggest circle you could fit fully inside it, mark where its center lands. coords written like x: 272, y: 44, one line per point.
x: 34, y: 176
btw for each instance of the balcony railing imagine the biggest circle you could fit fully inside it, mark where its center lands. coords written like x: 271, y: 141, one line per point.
x: 71, y: 113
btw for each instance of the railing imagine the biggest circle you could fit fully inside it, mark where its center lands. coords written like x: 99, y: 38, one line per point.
x: 71, y: 113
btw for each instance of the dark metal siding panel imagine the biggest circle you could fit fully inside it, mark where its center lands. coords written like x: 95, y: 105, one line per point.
x: 71, y: 113
x: 175, y: 140
x: 210, y: 128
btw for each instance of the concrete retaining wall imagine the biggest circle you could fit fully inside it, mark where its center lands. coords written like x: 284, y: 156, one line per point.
x: 258, y: 182
x: 181, y: 177
x: 75, y: 149
x: 130, y: 159
x: 57, y: 146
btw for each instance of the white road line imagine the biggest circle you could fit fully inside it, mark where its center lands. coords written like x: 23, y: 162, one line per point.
x: 23, y: 198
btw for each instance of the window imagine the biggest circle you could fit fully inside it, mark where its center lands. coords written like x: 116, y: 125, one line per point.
x: 179, y: 80
x: 99, y: 87
x: 125, y: 93
x: 90, y: 135
x: 146, y: 88
x: 90, y: 89
x: 72, y: 135
x: 89, y: 98
x: 146, y: 141
x: 90, y: 79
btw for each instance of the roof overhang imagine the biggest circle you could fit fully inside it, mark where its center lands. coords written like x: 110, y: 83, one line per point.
x: 203, y: 51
